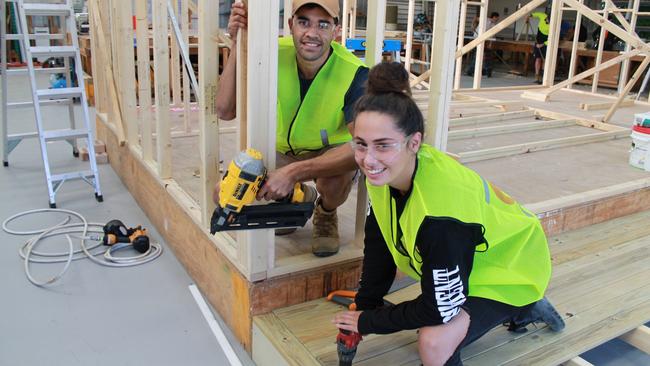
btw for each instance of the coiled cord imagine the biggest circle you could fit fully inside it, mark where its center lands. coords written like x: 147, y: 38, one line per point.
x: 65, y: 228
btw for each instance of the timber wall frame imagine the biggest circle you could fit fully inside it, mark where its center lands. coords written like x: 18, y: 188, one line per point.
x: 240, y: 270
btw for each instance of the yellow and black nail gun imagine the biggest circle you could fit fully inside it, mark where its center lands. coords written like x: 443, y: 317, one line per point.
x: 243, y: 179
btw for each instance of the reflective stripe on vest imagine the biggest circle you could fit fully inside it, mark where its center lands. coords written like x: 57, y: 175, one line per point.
x: 515, y: 269
x: 300, y: 125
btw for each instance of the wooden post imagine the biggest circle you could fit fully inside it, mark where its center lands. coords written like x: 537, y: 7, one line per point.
x: 208, y: 121
x: 574, y: 46
x: 440, y: 87
x: 480, y: 48
x: 242, y: 55
x: 288, y: 9
x: 461, y: 41
x: 625, y: 68
x: 186, y: 78
x: 628, y: 87
x: 126, y: 61
x: 144, y: 79
x: 161, y: 75
x: 376, y: 20
x: 112, y: 98
x: 409, y: 35
x: 554, y: 42
x: 175, y: 60
x: 599, y: 53
x: 343, y: 21
x: 353, y: 19
x: 257, y: 247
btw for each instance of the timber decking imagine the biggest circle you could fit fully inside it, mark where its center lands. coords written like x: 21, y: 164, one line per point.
x: 600, y: 285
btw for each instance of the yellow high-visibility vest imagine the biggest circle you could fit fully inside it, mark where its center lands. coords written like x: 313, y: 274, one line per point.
x: 512, y: 264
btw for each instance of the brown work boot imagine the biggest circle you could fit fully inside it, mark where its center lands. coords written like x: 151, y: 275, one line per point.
x: 310, y: 196
x: 538, y: 79
x: 325, y: 239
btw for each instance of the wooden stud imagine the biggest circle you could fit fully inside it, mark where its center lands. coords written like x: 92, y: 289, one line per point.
x: 637, y: 74
x: 257, y: 247
x: 208, y: 120
x: 639, y: 338
x: 144, y: 79
x: 242, y: 84
x: 625, y: 68
x: 185, y: 34
x: 605, y: 105
x: 288, y: 9
x: 375, y: 31
x: 353, y: 19
x: 509, y: 128
x: 480, y: 48
x: 553, y: 44
x: 343, y: 21
x: 518, y: 149
x: 409, y: 35
x: 599, y: 52
x: 490, y: 118
x: 441, y: 83
x: 460, y: 42
x: 574, y: 47
x: 176, y: 74
x: 114, y: 113
x: 161, y: 76
x: 126, y: 61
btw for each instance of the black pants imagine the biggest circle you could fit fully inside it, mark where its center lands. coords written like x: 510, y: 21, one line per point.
x: 484, y: 316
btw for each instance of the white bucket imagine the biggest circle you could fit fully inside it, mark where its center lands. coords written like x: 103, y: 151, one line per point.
x: 640, y: 151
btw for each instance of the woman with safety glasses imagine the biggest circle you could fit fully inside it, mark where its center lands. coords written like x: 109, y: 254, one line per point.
x: 481, y: 259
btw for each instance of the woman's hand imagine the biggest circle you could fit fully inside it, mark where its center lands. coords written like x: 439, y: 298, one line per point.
x: 347, y: 320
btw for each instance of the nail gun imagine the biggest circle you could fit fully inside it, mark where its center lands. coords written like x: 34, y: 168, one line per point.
x: 243, y: 179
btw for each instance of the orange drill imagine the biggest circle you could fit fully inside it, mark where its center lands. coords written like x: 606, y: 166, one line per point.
x: 116, y: 232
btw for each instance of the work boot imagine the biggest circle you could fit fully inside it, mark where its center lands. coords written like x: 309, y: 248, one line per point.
x: 310, y: 196
x: 538, y: 79
x: 325, y: 239
x: 545, y: 312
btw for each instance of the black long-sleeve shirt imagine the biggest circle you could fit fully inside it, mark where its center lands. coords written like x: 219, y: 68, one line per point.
x: 446, y: 249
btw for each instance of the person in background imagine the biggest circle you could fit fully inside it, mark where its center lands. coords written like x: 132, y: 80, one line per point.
x: 487, y: 53
x: 319, y: 82
x: 541, y: 41
x: 480, y: 257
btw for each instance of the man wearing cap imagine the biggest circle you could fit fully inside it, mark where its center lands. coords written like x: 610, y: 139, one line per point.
x: 318, y: 83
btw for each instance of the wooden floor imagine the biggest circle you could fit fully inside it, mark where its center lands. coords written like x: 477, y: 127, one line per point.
x: 600, y: 286
x: 531, y: 178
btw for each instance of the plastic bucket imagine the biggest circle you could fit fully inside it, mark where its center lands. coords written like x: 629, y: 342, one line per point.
x: 640, y: 151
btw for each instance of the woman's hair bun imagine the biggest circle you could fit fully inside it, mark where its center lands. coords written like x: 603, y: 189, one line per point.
x: 388, y: 77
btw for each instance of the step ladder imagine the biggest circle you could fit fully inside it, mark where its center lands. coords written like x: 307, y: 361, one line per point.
x: 40, y: 97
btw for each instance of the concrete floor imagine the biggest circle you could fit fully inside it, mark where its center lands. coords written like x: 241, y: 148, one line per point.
x: 95, y: 315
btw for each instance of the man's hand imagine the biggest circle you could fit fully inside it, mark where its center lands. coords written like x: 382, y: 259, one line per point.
x: 238, y: 19
x: 347, y: 320
x: 279, y: 184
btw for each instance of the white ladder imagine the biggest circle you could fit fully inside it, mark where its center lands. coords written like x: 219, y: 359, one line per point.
x: 40, y: 97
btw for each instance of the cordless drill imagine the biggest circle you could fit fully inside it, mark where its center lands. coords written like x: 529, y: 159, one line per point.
x: 346, y: 346
x: 116, y: 232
